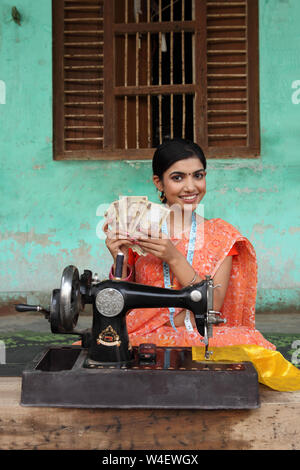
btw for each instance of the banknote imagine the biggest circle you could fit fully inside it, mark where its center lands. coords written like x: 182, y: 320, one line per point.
x: 112, y: 217
x: 150, y: 224
x: 135, y: 217
x: 135, y: 206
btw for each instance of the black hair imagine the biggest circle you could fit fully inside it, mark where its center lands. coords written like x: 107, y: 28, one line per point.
x: 173, y: 150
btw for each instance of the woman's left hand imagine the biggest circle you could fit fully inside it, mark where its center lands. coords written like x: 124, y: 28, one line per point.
x: 163, y: 248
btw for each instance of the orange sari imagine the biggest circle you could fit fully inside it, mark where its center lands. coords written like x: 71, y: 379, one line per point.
x: 214, y: 241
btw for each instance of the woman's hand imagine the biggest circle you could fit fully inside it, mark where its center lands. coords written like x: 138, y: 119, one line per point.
x: 117, y: 242
x: 162, y: 248
x: 165, y: 250
x: 179, y: 319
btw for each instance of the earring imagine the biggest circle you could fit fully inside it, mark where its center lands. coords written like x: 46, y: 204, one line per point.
x: 162, y: 196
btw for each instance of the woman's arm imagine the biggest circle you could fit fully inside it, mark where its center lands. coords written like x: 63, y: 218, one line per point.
x: 222, y: 277
x: 115, y: 245
x: 165, y: 250
x: 185, y: 273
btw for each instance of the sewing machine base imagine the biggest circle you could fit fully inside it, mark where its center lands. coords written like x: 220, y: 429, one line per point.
x: 64, y: 377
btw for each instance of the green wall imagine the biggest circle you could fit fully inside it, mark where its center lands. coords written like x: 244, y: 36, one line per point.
x: 48, y: 215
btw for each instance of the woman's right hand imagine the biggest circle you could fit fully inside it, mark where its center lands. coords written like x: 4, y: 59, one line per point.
x: 116, y: 243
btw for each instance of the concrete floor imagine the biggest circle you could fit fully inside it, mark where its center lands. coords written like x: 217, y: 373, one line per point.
x: 278, y: 322
x: 34, y: 322
x: 265, y: 322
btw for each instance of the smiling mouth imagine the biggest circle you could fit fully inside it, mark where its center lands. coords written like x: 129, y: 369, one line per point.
x: 189, y: 198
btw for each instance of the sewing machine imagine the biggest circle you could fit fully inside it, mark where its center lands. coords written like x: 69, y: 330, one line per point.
x: 105, y: 371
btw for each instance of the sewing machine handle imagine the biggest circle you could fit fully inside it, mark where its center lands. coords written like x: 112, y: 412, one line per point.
x: 119, y: 266
x: 28, y: 308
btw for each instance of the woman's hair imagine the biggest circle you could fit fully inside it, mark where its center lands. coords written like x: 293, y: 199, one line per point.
x: 173, y: 150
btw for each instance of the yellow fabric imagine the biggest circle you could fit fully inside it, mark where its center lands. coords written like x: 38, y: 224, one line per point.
x: 272, y: 368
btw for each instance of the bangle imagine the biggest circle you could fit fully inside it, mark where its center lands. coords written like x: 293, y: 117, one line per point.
x: 191, y: 283
x: 111, y: 273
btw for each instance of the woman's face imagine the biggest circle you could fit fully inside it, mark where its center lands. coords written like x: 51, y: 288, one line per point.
x: 183, y: 183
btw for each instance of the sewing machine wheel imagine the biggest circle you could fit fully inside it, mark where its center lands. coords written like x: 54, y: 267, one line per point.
x: 70, y: 298
x: 54, y: 311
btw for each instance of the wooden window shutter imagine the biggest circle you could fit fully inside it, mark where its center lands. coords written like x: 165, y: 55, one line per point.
x: 78, y: 42
x: 88, y: 92
x: 230, y: 99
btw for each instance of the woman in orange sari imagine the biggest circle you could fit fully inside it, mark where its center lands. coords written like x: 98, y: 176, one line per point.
x: 219, y: 250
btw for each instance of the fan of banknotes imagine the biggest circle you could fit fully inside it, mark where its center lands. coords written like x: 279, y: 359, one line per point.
x: 135, y: 216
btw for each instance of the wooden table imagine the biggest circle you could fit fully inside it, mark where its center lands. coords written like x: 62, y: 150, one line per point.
x: 275, y: 425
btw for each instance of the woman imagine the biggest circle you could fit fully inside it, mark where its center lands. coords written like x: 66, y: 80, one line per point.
x: 218, y: 250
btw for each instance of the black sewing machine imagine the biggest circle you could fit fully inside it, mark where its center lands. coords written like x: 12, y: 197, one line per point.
x: 106, y: 371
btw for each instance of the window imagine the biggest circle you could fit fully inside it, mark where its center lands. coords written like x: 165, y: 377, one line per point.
x: 127, y: 73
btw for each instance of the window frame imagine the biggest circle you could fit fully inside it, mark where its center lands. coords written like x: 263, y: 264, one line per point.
x: 252, y: 150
